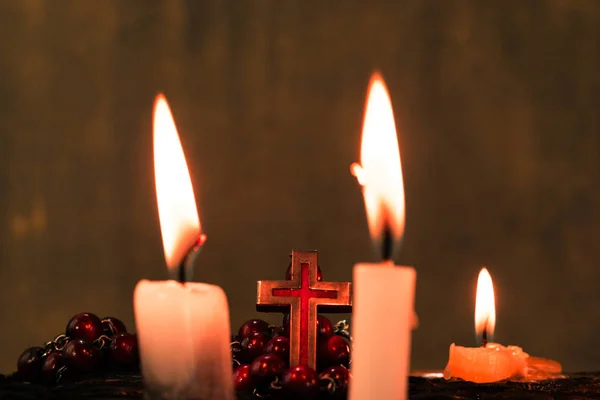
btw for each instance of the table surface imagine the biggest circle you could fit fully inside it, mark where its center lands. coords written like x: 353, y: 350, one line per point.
x: 123, y: 386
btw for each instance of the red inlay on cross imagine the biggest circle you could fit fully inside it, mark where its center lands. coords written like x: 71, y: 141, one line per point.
x: 301, y: 296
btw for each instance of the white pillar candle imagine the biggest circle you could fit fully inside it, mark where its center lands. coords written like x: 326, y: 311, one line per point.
x: 183, y: 335
x: 382, y: 315
x: 182, y: 327
x: 382, y: 318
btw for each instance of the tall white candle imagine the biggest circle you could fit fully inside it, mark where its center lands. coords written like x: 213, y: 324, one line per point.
x: 383, y: 296
x: 383, y: 292
x: 182, y: 327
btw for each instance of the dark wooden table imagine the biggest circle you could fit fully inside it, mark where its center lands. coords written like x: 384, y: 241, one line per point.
x: 129, y: 386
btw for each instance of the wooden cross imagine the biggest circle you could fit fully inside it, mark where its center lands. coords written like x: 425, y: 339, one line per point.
x: 302, y: 295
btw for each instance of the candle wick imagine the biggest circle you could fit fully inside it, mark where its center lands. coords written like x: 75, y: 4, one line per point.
x: 181, y: 272
x: 387, y: 242
x: 484, y: 334
x: 185, y: 268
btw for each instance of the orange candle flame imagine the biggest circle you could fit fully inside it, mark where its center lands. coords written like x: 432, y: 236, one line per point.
x: 485, y: 307
x: 179, y: 221
x: 379, y: 172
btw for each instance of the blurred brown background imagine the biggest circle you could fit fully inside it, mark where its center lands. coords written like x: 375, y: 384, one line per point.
x: 497, y: 109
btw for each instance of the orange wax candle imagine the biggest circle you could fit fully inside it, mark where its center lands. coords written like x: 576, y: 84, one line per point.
x: 494, y: 362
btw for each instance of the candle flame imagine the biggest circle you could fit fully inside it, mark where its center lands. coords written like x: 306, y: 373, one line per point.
x: 485, y: 308
x: 379, y: 172
x: 179, y: 221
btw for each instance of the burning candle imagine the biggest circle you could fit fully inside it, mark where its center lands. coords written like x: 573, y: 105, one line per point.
x: 382, y: 291
x: 182, y: 327
x: 494, y: 362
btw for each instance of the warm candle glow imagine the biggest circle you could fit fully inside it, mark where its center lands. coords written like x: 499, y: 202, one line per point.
x: 179, y: 221
x: 494, y: 362
x: 485, y: 308
x: 379, y: 172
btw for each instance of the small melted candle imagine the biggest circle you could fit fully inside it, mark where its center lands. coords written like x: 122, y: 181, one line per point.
x: 495, y: 362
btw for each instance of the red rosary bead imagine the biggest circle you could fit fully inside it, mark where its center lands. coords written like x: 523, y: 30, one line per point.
x: 334, y: 351
x: 112, y: 326
x: 253, y: 326
x: 337, y: 378
x: 81, y: 355
x: 242, y: 379
x: 30, y: 363
x: 52, y: 364
x: 124, y: 349
x: 280, y: 346
x: 300, y: 382
x: 265, y: 369
x: 85, y: 326
x: 324, y: 327
x: 253, y: 345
